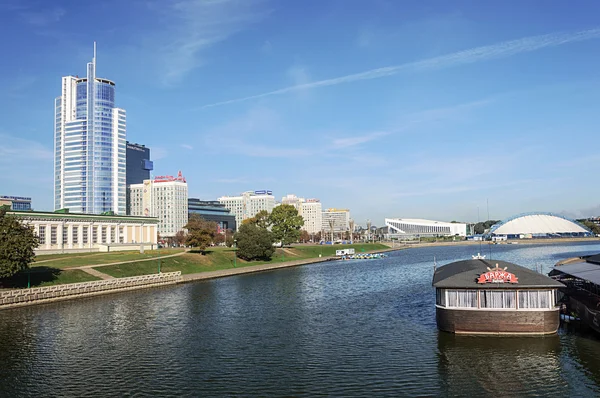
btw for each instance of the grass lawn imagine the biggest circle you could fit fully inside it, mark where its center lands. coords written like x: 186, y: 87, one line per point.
x: 223, y: 258
x: 77, y: 259
x: 47, y: 276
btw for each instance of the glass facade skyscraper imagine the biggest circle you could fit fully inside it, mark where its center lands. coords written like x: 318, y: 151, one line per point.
x: 89, y: 146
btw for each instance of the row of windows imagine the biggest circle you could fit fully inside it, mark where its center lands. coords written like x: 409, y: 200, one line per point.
x: 496, y: 299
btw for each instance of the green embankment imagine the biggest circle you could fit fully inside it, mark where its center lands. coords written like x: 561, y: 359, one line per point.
x: 79, y: 259
x: 48, y: 276
x: 223, y: 258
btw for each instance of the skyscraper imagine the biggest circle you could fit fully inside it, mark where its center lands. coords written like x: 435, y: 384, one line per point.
x: 139, y: 166
x: 89, y: 146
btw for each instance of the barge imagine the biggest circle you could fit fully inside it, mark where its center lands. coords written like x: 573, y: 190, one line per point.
x: 480, y: 296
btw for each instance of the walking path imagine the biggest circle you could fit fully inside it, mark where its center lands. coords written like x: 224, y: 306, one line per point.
x: 85, y: 267
x: 97, y: 274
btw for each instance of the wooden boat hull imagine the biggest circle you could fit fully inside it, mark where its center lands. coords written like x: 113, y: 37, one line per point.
x: 467, y: 321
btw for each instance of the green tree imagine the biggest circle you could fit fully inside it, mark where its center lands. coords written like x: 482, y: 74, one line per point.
x: 595, y: 228
x: 17, y: 242
x: 286, y: 224
x: 261, y: 220
x: 480, y: 227
x: 200, y: 232
x: 254, y: 243
x: 228, y: 238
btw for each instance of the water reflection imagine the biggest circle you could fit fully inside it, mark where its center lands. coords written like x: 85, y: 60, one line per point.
x: 500, y: 366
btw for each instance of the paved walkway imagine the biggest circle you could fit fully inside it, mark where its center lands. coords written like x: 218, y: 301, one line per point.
x: 85, y: 267
x: 97, y: 274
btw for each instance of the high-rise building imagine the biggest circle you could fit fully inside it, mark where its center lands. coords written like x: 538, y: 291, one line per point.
x: 16, y: 202
x: 310, y: 209
x: 248, y: 204
x: 338, y: 218
x: 212, y: 211
x: 89, y: 146
x: 166, y: 198
x: 139, y: 167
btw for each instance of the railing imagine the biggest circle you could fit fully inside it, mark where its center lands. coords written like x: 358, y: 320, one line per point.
x: 19, y: 296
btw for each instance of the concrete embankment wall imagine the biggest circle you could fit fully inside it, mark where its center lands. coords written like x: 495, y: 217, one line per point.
x: 21, y: 297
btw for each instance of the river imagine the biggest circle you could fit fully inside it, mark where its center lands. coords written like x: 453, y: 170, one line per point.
x: 353, y: 328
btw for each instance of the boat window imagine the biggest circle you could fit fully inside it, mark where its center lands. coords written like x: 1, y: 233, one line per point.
x: 462, y: 298
x: 440, y: 297
x: 498, y: 299
x: 534, y: 298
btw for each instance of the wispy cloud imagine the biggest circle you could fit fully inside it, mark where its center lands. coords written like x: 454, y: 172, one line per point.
x: 357, y: 140
x: 15, y: 149
x: 43, y: 18
x: 186, y: 146
x: 473, y: 55
x: 196, y: 25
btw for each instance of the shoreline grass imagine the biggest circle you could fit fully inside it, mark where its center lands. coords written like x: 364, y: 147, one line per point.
x: 221, y: 258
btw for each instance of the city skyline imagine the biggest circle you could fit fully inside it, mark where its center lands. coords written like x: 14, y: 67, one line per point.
x: 404, y: 111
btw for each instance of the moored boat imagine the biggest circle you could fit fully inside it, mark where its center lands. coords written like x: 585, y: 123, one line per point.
x: 480, y: 296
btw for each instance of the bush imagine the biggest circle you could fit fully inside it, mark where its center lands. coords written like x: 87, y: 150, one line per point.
x: 254, y: 243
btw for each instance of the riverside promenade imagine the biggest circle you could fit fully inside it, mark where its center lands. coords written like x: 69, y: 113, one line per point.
x: 265, y: 267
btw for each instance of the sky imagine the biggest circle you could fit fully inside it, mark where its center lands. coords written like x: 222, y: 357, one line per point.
x: 445, y: 110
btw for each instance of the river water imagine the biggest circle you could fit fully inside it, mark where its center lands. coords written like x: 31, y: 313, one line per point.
x: 354, y: 328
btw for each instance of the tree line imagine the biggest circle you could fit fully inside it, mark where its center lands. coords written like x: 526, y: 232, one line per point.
x: 255, y: 237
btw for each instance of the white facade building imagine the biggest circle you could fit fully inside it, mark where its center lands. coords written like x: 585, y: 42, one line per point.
x: 64, y: 232
x: 248, y: 204
x: 89, y: 146
x: 340, y: 219
x: 311, y: 211
x: 413, y: 227
x: 165, y: 198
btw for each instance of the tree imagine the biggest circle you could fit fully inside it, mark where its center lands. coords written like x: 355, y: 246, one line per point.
x: 179, y: 238
x: 304, y: 236
x: 17, y: 242
x: 200, y: 232
x: 595, y: 228
x: 286, y: 224
x: 219, y: 238
x: 254, y: 243
x: 228, y: 238
x: 480, y: 227
x: 261, y: 220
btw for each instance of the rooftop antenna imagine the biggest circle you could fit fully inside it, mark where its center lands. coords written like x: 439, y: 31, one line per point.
x: 94, y: 59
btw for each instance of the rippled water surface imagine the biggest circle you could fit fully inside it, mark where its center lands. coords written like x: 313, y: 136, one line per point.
x: 354, y: 328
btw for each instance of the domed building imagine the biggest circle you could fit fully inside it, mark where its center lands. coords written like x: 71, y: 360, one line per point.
x: 539, y: 225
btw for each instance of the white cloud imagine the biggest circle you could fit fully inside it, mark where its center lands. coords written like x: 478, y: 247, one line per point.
x: 186, y: 146
x: 43, y: 18
x: 473, y: 55
x: 357, y: 140
x: 196, y: 25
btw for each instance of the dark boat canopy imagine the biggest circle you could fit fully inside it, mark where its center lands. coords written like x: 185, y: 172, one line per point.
x: 465, y: 274
x: 588, y: 270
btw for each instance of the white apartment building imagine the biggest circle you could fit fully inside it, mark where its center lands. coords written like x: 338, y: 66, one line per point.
x: 340, y: 219
x: 166, y: 198
x: 248, y: 204
x: 311, y: 211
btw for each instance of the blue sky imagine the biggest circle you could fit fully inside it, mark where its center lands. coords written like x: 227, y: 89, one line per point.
x: 389, y: 108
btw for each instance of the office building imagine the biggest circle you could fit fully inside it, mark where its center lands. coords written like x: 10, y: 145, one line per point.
x: 166, y: 198
x: 212, y: 211
x: 138, y: 167
x: 16, y: 202
x: 335, y: 221
x: 89, y: 146
x: 62, y: 231
x: 311, y: 211
x: 248, y: 204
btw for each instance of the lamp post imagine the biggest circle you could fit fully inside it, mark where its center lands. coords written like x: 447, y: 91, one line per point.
x: 234, y: 253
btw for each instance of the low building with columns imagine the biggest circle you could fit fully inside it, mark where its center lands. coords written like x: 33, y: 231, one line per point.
x: 61, y: 231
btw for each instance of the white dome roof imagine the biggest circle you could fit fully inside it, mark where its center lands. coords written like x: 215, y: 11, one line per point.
x: 538, y: 224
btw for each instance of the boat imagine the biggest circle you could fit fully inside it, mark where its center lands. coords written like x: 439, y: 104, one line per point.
x: 482, y: 296
x: 364, y: 256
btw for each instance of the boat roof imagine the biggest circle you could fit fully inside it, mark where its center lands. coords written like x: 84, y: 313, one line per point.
x: 586, y: 270
x: 464, y: 274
